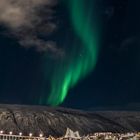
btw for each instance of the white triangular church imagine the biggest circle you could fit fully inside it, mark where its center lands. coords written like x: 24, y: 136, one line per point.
x: 71, y: 134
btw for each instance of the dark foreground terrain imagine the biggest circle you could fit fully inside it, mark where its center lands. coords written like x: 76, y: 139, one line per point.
x: 54, y: 121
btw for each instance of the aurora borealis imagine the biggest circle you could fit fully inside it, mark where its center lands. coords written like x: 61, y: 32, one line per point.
x: 70, y: 53
x: 83, y: 56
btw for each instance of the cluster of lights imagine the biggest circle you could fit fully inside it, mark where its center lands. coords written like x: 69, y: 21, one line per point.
x: 20, y: 134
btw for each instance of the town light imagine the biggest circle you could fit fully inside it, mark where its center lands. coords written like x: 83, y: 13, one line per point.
x: 41, y: 135
x: 30, y: 134
x: 20, y: 134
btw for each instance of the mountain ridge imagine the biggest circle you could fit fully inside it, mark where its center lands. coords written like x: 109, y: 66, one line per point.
x: 55, y: 120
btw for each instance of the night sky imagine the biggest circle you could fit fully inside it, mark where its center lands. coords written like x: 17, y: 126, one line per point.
x: 80, y: 55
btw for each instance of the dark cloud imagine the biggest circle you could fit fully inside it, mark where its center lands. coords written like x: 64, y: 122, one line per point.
x: 130, y: 40
x: 31, y: 22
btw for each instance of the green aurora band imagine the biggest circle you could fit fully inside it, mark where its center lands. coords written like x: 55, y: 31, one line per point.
x: 83, y: 54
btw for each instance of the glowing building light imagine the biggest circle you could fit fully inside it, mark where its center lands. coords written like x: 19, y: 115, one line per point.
x: 1, y: 132
x: 41, y: 135
x: 30, y: 134
x: 20, y: 134
x: 10, y: 132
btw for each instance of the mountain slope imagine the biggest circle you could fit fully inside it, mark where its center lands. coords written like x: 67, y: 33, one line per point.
x: 54, y: 121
